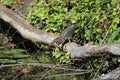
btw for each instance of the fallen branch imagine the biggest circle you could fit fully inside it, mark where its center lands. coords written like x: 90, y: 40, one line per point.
x: 113, y: 75
x: 95, y: 50
x: 65, y: 74
x: 24, y: 28
x: 51, y: 66
x: 30, y: 33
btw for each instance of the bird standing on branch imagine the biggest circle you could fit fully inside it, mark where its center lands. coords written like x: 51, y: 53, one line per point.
x: 65, y: 35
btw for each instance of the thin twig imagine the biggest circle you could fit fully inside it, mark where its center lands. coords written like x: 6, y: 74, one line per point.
x: 65, y: 74
x: 98, y: 71
x: 44, y: 65
x: 105, y: 37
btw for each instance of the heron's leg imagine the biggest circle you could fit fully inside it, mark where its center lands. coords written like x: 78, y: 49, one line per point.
x: 69, y: 40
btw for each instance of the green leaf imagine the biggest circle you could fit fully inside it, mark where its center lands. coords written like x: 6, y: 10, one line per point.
x: 113, y: 36
x: 57, y: 55
x: 7, y: 61
x: 116, y: 20
x: 13, y: 54
x: 6, y: 1
x: 113, y: 2
x: 26, y: 60
x: 117, y: 41
x: 86, y: 0
x: 20, y: 56
x: 113, y: 27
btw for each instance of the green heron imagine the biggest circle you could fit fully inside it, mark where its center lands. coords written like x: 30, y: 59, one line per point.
x: 65, y: 35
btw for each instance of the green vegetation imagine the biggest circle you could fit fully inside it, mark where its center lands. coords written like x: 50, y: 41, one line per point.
x: 98, y: 21
x: 6, y: 1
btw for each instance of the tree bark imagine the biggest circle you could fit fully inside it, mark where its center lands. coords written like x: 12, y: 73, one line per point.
x: 24, y: 28
x: 89, y: 49
x: 113, y: 75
